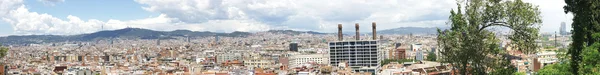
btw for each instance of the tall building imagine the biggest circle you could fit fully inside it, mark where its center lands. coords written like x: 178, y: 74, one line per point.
x: 294, y: 47
x: 563, y: 28
x: 360, y: 55
x: 419, y: 55
x: 188, y: 39
x: 158, y: 42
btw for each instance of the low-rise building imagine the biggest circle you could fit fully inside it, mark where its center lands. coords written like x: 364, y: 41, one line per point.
x: 259, y: 63
x: 298, y: 60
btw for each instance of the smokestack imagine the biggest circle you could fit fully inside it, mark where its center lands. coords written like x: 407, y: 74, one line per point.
x: 357, y: 34
x: 340, y: 35
x: 374, y: 31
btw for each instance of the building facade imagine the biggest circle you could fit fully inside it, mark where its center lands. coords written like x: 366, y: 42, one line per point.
x: 298, y: 60
x: 228, y: 57
x: 294, y: 47
x: 361, y: 55
x: 259, y: 63
x: 563, y: 28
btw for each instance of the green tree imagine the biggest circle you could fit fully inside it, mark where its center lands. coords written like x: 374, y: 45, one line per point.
x: 562, y: 67
x: 586, y: 21
x: 387, y: 61
x: 555, y: 69
x: 431, y: 56
x: 473, y: 49
x: 3, y: 51
x: 504, y: 67
x: 520, y: 73
x: 590, y: 63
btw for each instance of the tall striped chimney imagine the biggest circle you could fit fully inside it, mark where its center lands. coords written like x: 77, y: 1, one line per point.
x: 357, y: 34
x: 374, y: 31
x: 340, y: 35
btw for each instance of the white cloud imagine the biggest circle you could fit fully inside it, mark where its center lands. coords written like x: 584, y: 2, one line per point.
x: 250, y: 15
x: 26, y: 22
x: 315, y: 15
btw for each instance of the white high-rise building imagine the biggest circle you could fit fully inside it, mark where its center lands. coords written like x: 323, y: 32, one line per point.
x: 563, y: 28
x: 361, y: 55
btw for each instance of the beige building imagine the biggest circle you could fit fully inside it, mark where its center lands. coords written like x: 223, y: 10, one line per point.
x: 298, y: 60
x: 259, y: 63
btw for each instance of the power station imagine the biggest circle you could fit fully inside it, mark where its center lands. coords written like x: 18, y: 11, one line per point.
x: 360, y: 55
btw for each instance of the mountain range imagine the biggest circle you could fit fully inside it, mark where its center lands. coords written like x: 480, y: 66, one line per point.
x: 138, y: 33
x: 411, y: 30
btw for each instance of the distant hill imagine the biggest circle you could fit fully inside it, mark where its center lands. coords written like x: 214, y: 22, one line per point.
x: 410, y: 30
x: 292, y: 32
x: 139, y: 33
x: 127, y: 33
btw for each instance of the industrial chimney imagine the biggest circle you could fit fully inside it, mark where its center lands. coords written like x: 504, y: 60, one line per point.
x: 357, y: 34
x: 374, y: 31
x: 340, y: 35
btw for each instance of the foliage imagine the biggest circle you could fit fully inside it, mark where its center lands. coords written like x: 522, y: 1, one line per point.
x: 591, y: 60
x: 520, y: 73
x: 586, y: 21
x: 549, y: 47
x: 3, y: 51
x: 504, y: 67
x: 555, y: 69
x: 590, y: 64
x: 387, y: 61
x: 472, y: 49
x: 431, y: 56
x: 560, y: 68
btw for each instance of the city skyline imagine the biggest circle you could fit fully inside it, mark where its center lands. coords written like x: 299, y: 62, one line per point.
x: 65, y: 17
x: 299, y: 37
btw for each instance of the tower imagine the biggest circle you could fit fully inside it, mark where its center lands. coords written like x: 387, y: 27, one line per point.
x: 361, y: 55
x: 340, y: 35
x: 357, y: 32
x: 374, y: 31
x: 217, y: 39
x: 158, y: 42
x: 294, y: 46
x: 563, y: 28
x: 555, y: 39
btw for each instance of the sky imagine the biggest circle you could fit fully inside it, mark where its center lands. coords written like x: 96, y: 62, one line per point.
x: 69, y: 17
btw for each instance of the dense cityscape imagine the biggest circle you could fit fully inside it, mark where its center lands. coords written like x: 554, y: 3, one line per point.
x: 262, y: 53
x: 257, y: 37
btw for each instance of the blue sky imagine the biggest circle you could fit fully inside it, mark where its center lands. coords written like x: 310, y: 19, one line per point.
x: 67, y: 17
x: 92, y: 9
x: 86, y: 9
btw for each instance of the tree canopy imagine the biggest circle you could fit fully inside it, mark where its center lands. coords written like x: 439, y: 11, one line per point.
x: 472, y: 48
x: 431, y: 56
x: 586, y: 22
x: 3, y: 51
